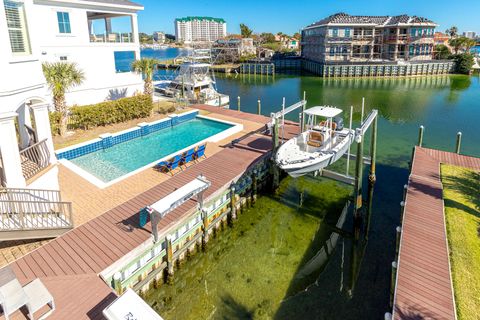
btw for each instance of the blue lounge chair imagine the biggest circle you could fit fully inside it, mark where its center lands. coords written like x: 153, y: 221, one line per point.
x: 175, y: 163
x: 169, y: 165
x: 200, y: 152
x: 187, y: 156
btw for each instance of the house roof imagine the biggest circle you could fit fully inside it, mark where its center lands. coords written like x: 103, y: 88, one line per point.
x: 344, y: 18
x: 117, y: 2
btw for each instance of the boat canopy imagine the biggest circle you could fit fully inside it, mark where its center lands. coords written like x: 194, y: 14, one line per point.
x: 130, y: 306
x: 326, y: 112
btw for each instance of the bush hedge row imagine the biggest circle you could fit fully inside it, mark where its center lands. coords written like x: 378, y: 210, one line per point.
x: 105, y: 113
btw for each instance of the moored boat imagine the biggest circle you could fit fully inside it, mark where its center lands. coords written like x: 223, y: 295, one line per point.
x: 320, y: 145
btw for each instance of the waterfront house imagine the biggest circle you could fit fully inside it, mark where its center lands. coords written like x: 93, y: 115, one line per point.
x: 343, y: 38
x: 102, y: 38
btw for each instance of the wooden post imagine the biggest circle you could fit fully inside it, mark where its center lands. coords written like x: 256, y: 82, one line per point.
x: 372, y: 178
x: 392, y: 282
x: 238, y: 103
x: 458, y: 143
x: 254, y: 186
x: 405, y: 189
x: 358, y: 187
x: 233, y: 204
x: 259, y: 107
x: 420, y: 136
x: 397, y: 247
x: 204, y: 229
x: 402, y: 211
x: 168, y: 240
x: 275, y: 143
x: 304, y: 106
x: 117, y: 283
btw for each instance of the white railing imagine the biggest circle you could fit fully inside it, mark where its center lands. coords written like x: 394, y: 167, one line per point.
x: 34, y: 159
x: 112, y: 37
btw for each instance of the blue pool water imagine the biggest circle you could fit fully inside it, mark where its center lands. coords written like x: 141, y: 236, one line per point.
x: 122, y: 158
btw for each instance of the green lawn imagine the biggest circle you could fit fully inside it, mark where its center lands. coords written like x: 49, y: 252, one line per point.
x: 462, y: 210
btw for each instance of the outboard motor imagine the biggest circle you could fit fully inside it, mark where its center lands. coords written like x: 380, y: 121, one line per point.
x: 339, y: 122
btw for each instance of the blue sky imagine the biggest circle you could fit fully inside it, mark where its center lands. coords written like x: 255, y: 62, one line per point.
x: 290, y: 16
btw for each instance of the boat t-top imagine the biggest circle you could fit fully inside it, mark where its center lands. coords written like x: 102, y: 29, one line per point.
x: 323, y: 142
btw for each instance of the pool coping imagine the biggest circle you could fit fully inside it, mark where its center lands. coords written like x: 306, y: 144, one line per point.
x: 236, y: 127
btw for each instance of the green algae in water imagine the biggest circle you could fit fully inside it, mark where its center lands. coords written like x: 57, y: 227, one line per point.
x: 249, y: 269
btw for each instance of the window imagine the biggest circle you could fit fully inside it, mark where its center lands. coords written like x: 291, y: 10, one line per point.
x: 335, y: 32
x: 411, y: 50
x: 332, y: 51
x: 413, y: 32
x: 347, y: 32
x: 63, y: 22
x: 17, y: 28
x: 123, y: 60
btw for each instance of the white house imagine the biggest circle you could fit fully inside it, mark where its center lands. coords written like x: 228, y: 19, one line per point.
x: 101, y: 36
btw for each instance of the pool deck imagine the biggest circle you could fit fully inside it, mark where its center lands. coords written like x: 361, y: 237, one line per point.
x: 424, y: 284
x: 106, y: 220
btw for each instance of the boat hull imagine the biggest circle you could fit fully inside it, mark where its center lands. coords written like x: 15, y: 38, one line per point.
x: 312, y: 165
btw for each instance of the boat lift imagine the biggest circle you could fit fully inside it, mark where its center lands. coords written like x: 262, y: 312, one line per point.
x: 359, y: 134
x: 161, y: 208
x: 360, y: 225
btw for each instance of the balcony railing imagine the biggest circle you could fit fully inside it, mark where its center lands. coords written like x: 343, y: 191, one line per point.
x: 112, y: 38
x: 34, y: 215
x: 34, y: 159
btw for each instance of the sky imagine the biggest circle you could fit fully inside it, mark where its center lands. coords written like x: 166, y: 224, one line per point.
x: 291, y: 16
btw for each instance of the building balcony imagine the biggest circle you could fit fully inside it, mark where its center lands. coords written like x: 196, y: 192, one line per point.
x: 111, y: 28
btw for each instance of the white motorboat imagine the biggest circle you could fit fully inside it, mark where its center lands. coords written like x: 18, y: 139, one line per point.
x: 322, y: 144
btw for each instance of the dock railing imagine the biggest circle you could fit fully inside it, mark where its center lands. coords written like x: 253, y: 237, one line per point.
x: 35, y: 158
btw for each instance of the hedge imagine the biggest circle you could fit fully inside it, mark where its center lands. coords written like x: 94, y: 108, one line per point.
x: 105, y: 113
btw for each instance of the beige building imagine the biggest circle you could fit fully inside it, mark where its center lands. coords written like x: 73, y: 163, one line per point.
x: 199, y: 29
x: 345, y: 38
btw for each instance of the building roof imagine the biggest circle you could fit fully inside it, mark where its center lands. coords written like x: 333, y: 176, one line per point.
x: 186, y: 19
x: 116, y: 2
x: 344, y: 18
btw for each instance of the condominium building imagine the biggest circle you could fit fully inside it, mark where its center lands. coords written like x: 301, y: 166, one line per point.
x: 159, y: 37
x: 470, y: 34
x: 100, y: 36
x: 199, y: 29
x: 343, y: 38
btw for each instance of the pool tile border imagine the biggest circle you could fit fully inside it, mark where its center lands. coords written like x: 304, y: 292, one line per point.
x: 108, y: 140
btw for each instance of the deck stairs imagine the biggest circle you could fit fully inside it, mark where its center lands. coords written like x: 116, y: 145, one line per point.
x: 33, y: 214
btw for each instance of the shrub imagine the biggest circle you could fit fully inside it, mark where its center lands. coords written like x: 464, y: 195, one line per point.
x: 55, y: 117
x: 109, y: 112
x: 464, y: 63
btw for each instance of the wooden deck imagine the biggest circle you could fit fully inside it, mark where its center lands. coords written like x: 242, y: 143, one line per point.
x: 424, y: 286
x: 69, y: 265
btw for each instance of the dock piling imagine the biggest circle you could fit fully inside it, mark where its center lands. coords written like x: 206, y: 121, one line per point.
x: 420, y: 136
x: 458, y: 143
x: 275, y: 143
x: 168, y: 240
x: 259, y: 107
x: 392, y: 282
x: 397, y: 247
x: 233, y: 204
x: 372, y: 178
x: 238, y: 103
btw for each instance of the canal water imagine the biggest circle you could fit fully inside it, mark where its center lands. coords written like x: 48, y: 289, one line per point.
x: 252, y: 270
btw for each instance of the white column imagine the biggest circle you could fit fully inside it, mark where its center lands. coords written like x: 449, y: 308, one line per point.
x: 24, y: 119
x: 42, y: 126
x: 12, y: 165
x: 135, y: 36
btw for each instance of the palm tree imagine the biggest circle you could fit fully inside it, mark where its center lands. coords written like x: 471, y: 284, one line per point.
x: 453, y: 31
x: 61, y: 77
x: 245, y: 31
x: 146, y: 66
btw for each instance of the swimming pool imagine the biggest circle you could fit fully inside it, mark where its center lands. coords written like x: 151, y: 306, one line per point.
x: 104, y: 166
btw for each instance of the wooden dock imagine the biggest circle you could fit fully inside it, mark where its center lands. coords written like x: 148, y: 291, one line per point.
x: 70, y: 265
x: 423, y: 287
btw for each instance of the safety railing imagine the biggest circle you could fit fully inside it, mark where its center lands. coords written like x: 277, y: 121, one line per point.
x: 34, y: 158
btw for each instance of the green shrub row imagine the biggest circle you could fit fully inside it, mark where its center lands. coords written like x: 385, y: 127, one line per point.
x: 105, y: 113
